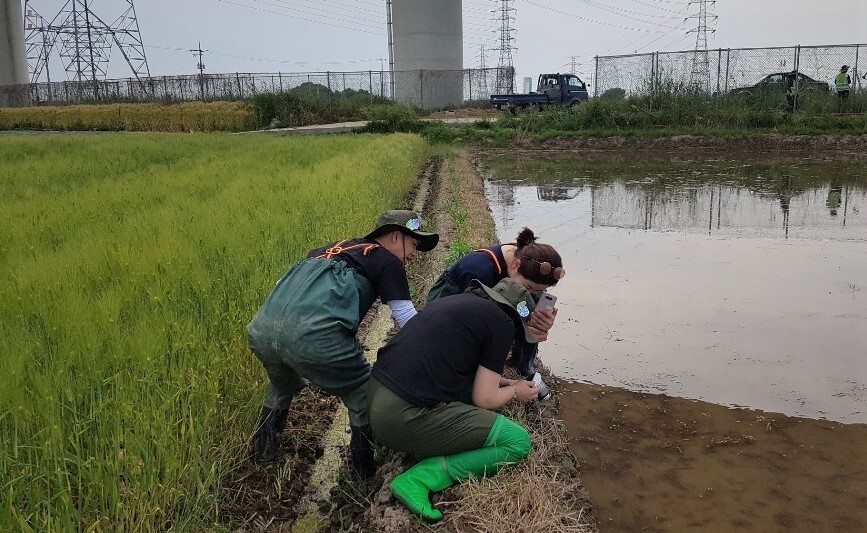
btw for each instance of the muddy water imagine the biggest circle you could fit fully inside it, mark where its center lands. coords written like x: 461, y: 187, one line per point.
x: 712, y: 336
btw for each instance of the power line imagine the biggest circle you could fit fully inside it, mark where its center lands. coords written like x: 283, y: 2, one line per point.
x: 592, y: 21
x: 295, y: 17
x: 619, y: 11
x: 680, y: 26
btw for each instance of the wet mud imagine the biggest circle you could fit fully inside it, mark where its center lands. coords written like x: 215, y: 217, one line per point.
x: 659, y: 463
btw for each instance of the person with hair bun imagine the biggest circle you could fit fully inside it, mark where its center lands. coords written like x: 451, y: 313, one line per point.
x: 534, y: 265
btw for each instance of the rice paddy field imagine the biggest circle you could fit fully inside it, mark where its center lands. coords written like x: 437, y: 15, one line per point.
x: 130, y: 265
x: 181, y: 117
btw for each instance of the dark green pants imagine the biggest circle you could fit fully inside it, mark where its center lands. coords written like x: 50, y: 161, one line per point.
x: 444, y: 429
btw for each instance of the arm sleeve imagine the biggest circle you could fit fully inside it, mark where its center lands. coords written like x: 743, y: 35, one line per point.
x: 402, y: 311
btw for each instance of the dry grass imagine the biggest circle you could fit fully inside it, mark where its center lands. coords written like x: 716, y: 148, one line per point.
x: 184, y: 117
x: 542, y: 494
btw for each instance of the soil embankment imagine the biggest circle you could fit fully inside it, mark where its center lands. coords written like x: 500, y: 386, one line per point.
x: 545, y: 493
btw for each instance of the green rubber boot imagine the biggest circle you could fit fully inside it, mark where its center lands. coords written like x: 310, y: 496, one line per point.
x: 414, y: 486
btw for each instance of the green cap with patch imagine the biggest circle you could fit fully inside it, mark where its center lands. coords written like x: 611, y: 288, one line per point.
x: 515, y: 297
x: 407, y: 222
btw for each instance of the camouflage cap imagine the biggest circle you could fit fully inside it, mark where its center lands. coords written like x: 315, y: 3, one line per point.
x: 515, y: 297
x: 407, y: 222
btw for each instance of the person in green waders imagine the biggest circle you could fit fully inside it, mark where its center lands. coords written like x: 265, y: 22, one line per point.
x: 435, y: 385
x: 305, y: 331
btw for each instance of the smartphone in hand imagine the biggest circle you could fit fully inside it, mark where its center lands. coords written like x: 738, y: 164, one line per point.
x: 546, y: 302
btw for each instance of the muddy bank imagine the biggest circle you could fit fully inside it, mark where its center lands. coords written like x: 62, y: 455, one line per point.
x: 659, y: 463
x: 746, y: 147
x: 545, y: 493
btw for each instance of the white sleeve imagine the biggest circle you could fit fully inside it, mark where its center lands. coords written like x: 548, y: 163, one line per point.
x: 402, y: 311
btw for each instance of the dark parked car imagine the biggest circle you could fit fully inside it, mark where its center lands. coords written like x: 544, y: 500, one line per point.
x: 777, y: 83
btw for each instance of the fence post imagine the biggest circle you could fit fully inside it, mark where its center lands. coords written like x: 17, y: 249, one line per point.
x: 421, y: 87
x: 728, y: 62
x: 855, y: 66
x: 165, y: 88
x: 718, y: 69
x: 328, y: 82
x: 596, y: 77
x: 280, y: 77
x: 240, y: 90
x: 797, y: 58
x: 469, y: 72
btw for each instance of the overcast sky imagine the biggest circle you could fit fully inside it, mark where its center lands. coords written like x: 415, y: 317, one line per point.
x: 350, y: 35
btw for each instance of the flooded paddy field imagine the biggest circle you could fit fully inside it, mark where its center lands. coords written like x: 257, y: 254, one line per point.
x: 711, y: 338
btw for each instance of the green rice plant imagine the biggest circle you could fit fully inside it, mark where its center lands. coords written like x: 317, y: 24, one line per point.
x: 131, y: 264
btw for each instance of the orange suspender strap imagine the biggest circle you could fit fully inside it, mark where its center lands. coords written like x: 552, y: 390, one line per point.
x: 338, y: 247
x: 494, y: 257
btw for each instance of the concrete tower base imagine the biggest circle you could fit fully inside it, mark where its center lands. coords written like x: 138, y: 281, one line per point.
x: 13, y: 54
x: 428, y: 52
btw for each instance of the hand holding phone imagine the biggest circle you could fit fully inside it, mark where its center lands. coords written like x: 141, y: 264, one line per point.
x: 546, y: 302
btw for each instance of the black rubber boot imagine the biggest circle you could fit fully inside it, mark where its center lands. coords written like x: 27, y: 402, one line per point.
x: 361, y: 451
x: 527, y: 354
x: 265, y: 443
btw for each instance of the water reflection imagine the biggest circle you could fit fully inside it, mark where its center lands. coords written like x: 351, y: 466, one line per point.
x: 737, y: 284
x: 716, y: 199
x: 740, y: 284
x: 555, y: 193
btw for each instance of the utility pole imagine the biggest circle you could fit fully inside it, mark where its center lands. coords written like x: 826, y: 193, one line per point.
x: 483, y: 75
x: 201, y: 66
x: 198, y: 51
x: 700, y: 75
x: 505, y: 68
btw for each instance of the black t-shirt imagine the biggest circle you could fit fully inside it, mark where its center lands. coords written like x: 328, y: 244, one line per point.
x: 382, y: 268
x: 435, y: 356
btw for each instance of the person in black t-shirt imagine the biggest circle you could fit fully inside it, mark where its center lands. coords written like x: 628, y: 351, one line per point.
x: 534, y: 265
x: 305, y: 331
x: 434, y: 385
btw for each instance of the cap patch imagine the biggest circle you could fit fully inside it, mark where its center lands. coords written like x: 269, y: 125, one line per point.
x: 522, y: 309
x: 413, y: 224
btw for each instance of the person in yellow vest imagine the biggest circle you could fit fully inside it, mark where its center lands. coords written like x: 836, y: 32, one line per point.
x: 842, y: 83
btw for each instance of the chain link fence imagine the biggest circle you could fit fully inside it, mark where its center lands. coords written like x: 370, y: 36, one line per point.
x: 722, y: 70
x: 426, y: 89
